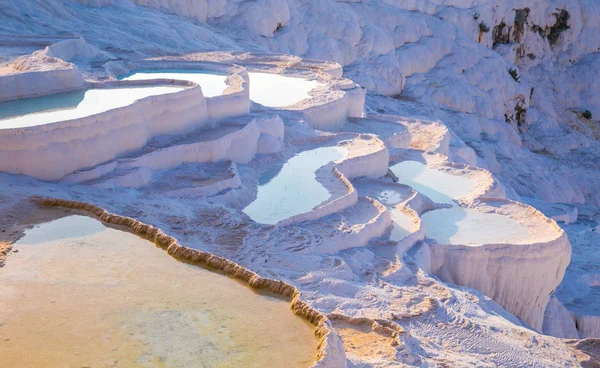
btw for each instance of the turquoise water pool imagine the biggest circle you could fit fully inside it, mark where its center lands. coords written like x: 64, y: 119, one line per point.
x: 292, y: 189
x: 438, y: 186
x: 275, y: 90
x: 211, y: 84
x: 467, y: 226
x: 28, y: 112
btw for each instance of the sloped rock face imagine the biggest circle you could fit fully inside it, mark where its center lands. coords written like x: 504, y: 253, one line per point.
x: 558, y: 322
x: 519, y: 277
x: 469, y: 100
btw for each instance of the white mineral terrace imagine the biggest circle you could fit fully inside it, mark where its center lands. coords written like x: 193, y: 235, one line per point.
x: 212, y: 84
x: 82, y: 294
x: 471, y: 227
x: 292, y: 189
x: 391, y: 195
x: 58, y: 107
x: 438, y: 186
x: 208, y: 165
x: 275, y: 90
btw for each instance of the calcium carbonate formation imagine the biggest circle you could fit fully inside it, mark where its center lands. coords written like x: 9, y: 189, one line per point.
x: 359, y: 203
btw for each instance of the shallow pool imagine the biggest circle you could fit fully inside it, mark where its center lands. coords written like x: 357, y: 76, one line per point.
x: 471, y: 227
x: 211, y: 84
x: 81, y: 294
x: 276, y: 90
x: 293, y: 189
x: 438, y: 186
x: 57, y: 107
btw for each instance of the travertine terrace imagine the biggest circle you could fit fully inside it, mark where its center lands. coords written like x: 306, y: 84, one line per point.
x: 391, y: 168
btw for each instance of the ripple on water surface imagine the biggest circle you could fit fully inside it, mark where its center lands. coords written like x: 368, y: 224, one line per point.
x: 79, y: 293
x: 292, y: 189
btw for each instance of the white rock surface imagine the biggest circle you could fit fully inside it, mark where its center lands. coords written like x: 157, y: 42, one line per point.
x: 558, y: 322
x: 453, y: 89
x: 384, y: 43
x: 39, y: 83
x: 51, y: 151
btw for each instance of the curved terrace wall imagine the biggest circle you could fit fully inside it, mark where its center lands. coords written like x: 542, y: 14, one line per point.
x: 327, y: 108
x: 338, y: 202
x: 425, y: 135
x: 328, y: 116
x: 232, y: 181
x: 391, y: 131
x: 367, y: 157
x: 485, y: 184
x: 373, y: 228
x: 235, y: 100
x: 45, y: 71
x: 492, y: 268
x: 38, y: 83
x: 371, y: 162
x: 50, y: 151
x: 239, y: 146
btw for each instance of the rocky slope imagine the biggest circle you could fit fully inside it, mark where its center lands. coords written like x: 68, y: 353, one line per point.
x: 510, y: 87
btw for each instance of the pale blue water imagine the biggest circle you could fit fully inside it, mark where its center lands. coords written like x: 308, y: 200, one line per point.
x: 293, y: 189
x: 212, y: 84
x: 28, y: 112
x: 73, y: 226
x: 467, y: 226
x: 438, y: 186
x: 275, y: 90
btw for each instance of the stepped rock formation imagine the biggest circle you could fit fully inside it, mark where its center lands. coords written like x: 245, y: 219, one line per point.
x: 501, y: 94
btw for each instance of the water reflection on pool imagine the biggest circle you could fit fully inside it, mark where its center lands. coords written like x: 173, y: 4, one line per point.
x: 28, y: 112
x: 438, y: 186
x: 293, y: 189
x: 275, y: 90
x: 211, y: 84
x: 471, y: 227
